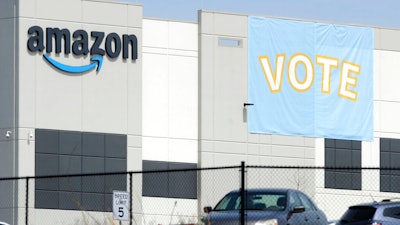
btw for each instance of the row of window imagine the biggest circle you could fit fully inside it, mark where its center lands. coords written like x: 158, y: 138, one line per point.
x: 60, y: 152
x: 347, y: 154
x: 70, y: 152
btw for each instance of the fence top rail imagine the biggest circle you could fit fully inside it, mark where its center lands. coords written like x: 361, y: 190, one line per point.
x: 118, y: 173
x: 199, y: 169
x: 323, y: 167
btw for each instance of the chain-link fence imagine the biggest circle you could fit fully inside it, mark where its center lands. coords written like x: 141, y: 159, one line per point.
x: 179, y: 196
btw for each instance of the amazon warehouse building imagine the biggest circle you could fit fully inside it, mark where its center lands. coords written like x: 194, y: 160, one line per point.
x: 91, y: 86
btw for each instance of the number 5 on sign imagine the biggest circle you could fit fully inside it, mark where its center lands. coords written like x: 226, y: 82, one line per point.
x: 121, y: 202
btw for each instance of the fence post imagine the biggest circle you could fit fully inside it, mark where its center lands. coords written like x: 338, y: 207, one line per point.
x: 243, y: 195
x: 26, y: 200
x: 130, y: 202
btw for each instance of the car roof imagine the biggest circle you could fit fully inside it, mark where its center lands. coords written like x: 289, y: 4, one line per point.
x: 383, y: 203
x: 276, y: 190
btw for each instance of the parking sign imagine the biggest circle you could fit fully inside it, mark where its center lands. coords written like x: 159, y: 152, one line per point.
x: 121, y: 202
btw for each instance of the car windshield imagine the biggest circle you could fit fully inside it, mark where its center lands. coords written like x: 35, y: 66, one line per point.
x: 254, y: 201
x: 358, y: 214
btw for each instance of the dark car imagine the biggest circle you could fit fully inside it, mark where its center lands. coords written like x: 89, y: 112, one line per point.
x: 266, y: 207
x: 386, y: 212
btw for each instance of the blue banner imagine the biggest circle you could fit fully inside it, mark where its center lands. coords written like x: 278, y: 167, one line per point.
x: 310, y: 79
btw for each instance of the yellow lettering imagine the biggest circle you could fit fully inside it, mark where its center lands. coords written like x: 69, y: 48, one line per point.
x: 347, y: 80
x: 298, y: 85
x: 274, y: 80
x: 302, y: 83
x: 327, y: 64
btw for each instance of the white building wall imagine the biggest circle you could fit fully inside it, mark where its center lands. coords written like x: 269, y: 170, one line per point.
x: 386, y: 125
x: 170, y: 109
x: 109, y: 101
x: 223, y: 134
x: 178, y: 108
x: 387, y: 95
x: 71, y: 102
x: 170, y: 89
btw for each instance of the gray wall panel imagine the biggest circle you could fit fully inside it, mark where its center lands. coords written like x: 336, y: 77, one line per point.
x: 344, y: 180
x: 70, y: 200
x: 175, y: 184
x: 93, y: 183
x: 344, y: 144
x: 384, y: 145
x: 395, y: 145
x: 70, y: 165
x: 155, y: 184
x: 330, y: 179
x: 108, y: 204
x: 343, y: 157
x: 115, y: 165
x: 394, y: 184
x: 93, y: 202
x: 7, y: 79
x: 330, y: 157
x: 389, y: 158
x: 93, y: 164
x: 115, y: 183
x: 46, y: 199
x: 343, y: 154
x: 48, y: 184
x: 115, y: 145
x: 93, y: 144
x: 387, y: 39
x: 356, y: 159
x: 183, y: 184
x: 63, y: 155
x: 6, y: 9
x: 385, y: 182
x: 70, y: 143
x: 47, y: 141
x: 46, y: 164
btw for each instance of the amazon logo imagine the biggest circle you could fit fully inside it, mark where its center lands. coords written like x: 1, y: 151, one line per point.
x: 80, y: 44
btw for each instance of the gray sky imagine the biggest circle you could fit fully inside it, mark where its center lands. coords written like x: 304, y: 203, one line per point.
x: 382, y: 13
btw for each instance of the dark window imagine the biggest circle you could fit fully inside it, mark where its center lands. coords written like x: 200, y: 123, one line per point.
x: 358, y: 214
x: 70, y: 152
x: 259, y: 200
x: 346, y: 155
x: 393, y: 212
x: 389, y: 159
x: 174, y: 184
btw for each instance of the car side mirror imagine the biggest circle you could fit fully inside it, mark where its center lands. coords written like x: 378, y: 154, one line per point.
x: 298, y: 209
x: 207, y: 209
